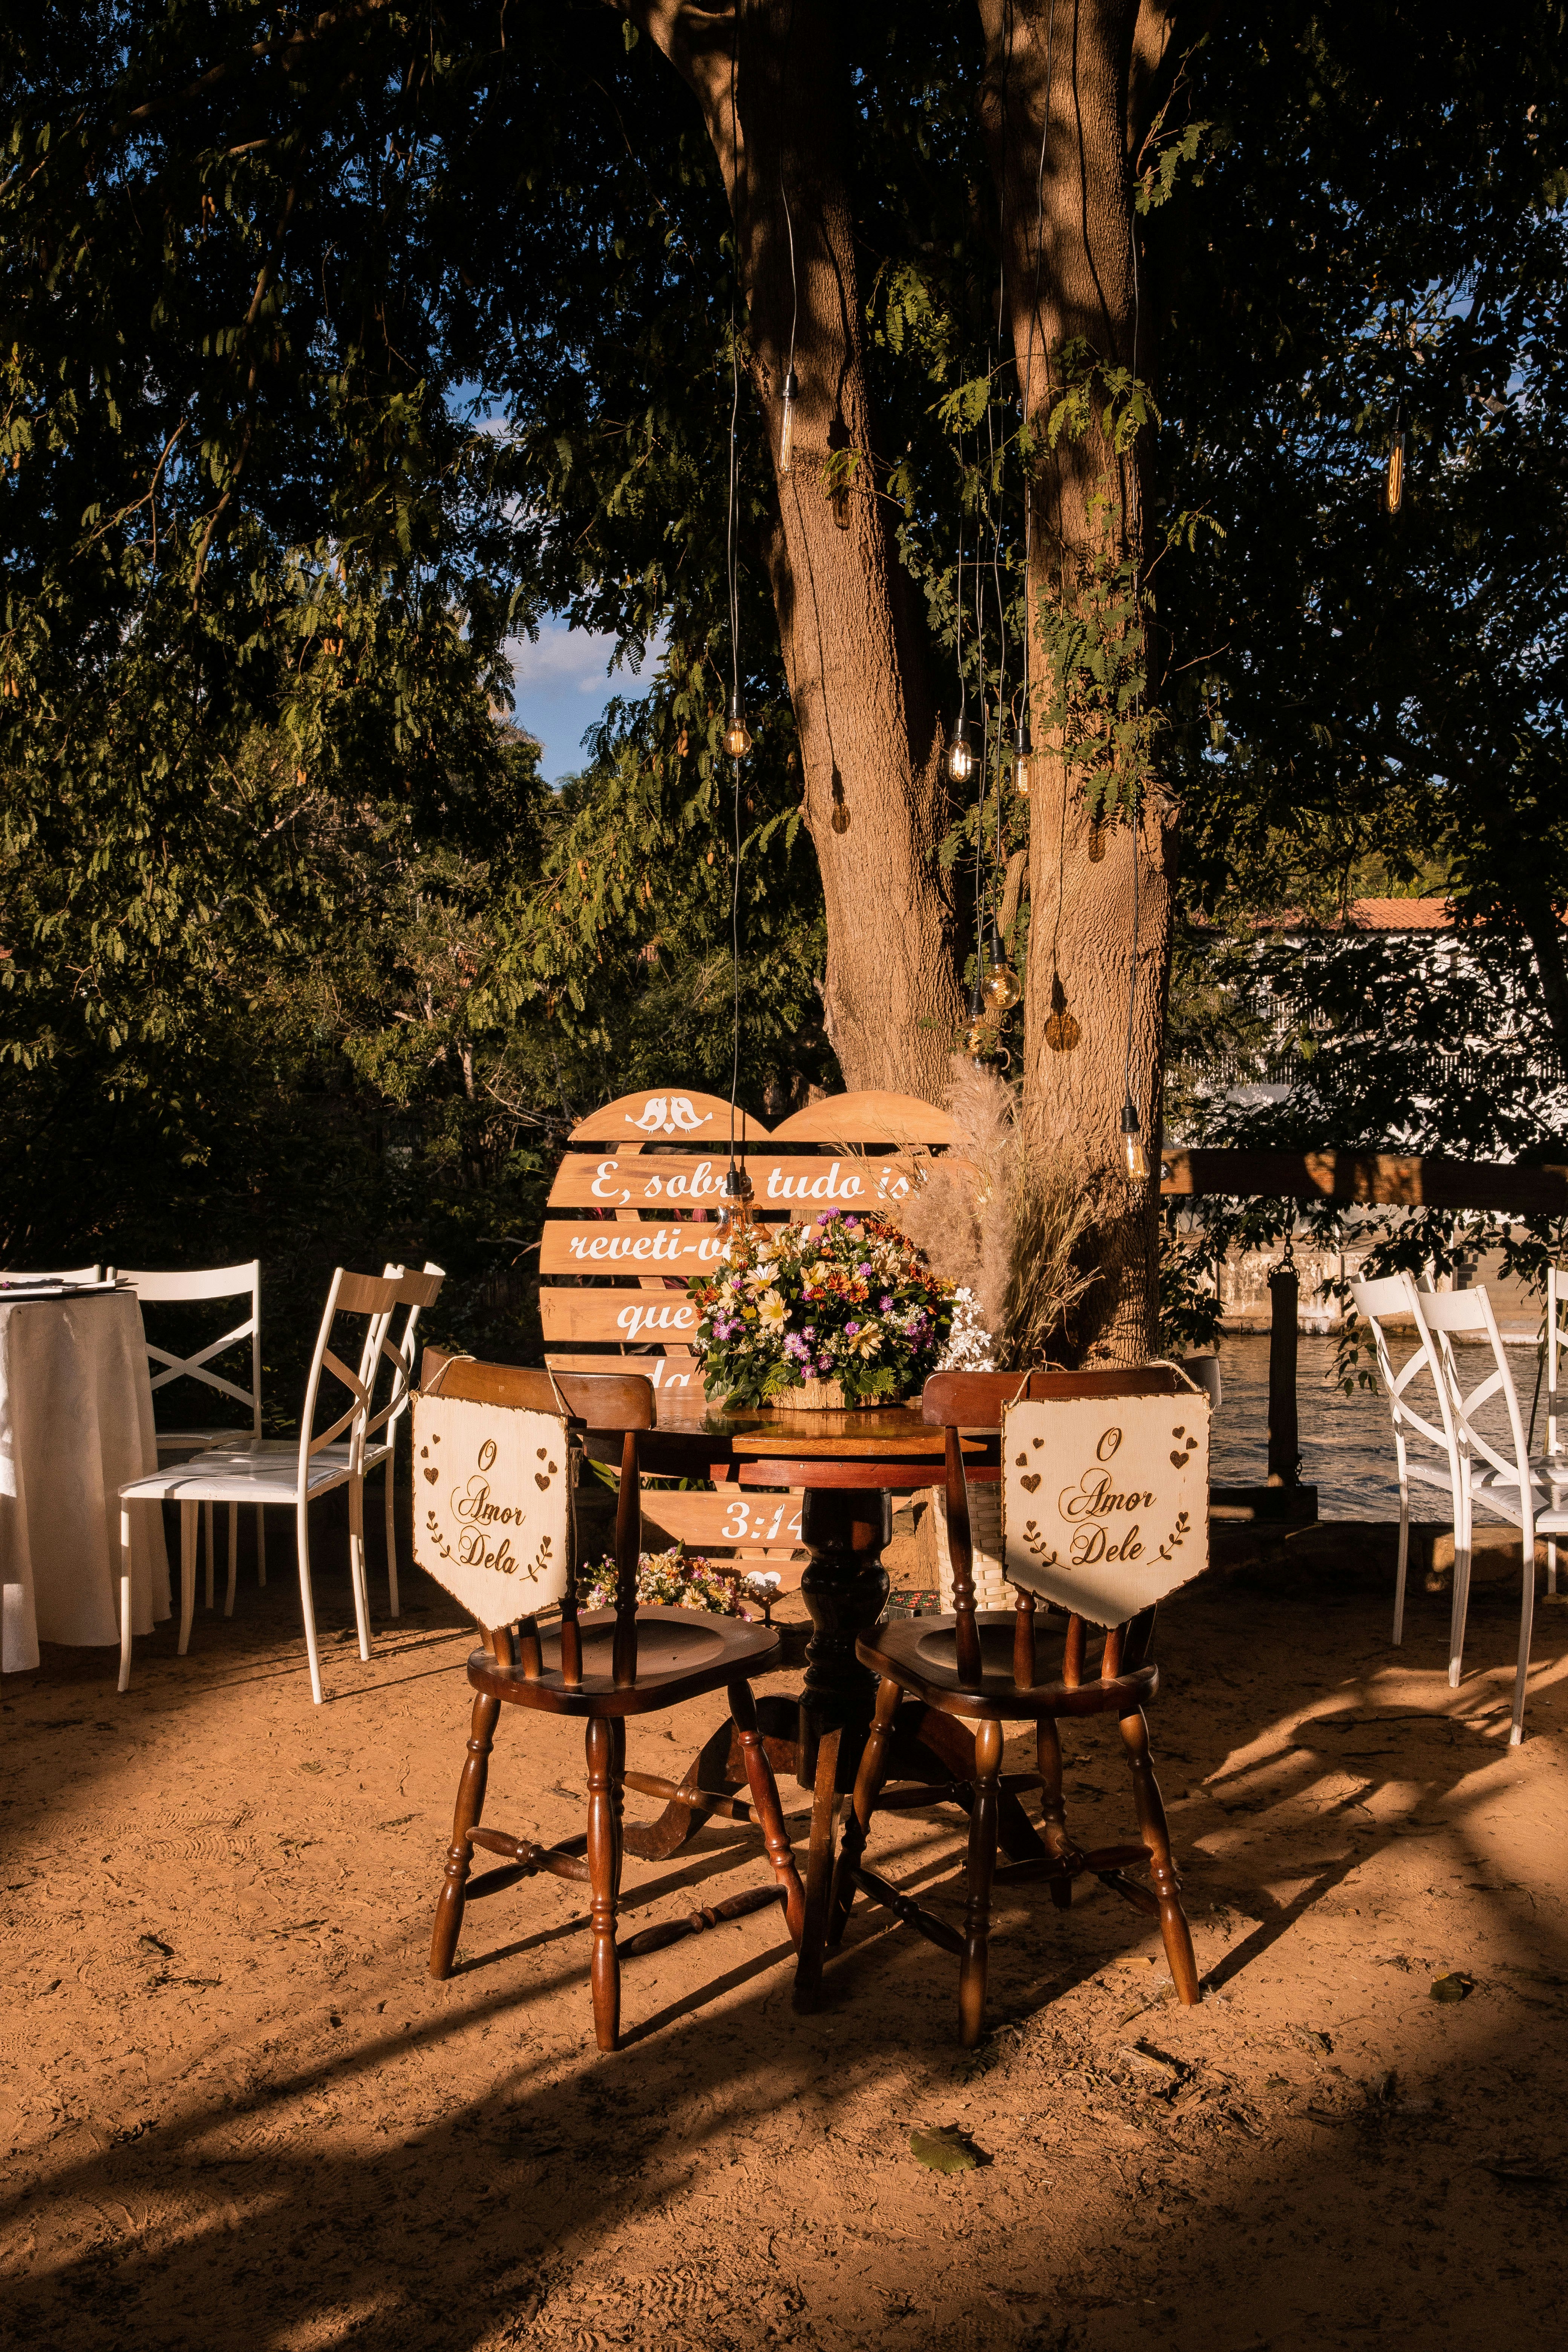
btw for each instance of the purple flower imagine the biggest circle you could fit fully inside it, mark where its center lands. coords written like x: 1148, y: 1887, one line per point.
x: 829, y: 1216
x: 863, y: 1273
x: 850, y: 1329
x: 887, y: 1306
x: 851, y: 1224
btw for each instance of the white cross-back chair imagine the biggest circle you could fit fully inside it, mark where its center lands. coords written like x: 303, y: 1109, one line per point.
x: 263, y: 1477
x: 203, y: 1284
x: 1505, y: 1483
x: 1426, y: 1451
x: 415, y: 1291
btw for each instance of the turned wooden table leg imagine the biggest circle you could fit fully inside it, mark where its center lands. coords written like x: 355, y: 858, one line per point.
x: 845, y: 1589
x: 818, y: 1874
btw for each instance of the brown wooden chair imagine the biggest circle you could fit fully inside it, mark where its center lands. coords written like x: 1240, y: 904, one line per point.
x: 604, y: 1666
x: 980, y: 1665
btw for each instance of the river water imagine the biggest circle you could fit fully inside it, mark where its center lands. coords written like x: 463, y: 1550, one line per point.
x: 1347, y: 1442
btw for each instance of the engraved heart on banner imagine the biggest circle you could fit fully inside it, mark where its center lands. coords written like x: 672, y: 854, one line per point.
x: 497, y: 1531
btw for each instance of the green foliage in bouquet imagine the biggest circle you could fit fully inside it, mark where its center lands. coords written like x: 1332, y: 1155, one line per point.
x: 845, y: 1299
x: 674, y: 1580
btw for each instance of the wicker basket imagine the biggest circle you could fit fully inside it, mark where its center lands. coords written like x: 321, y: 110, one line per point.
x: 811, y: 1396
x: 992, y: 1589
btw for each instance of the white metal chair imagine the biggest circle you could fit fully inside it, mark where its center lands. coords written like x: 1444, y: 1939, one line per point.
x: 1507, y: 1487
x: 1556, y: 1389
x: 54, y: 1274
x: 413, y: 1291
x: 260, y: 1476
x: 211, y: 1282
x: 1435, y: 1462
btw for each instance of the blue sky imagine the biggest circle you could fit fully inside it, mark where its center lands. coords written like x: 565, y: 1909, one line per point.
x: 560, y: 685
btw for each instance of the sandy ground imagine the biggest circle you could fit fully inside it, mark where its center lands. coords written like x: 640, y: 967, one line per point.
x: 241, y: 2114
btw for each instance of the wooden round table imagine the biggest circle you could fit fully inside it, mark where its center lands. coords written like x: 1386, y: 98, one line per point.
x: 851, y: 1464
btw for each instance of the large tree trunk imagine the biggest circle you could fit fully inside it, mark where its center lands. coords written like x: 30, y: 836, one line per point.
x: 1096, y: 985
x: 854, y: 644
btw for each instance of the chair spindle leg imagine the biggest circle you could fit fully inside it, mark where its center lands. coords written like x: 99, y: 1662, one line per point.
x: 460, y: 1852
x: 769, y: 1812
x: 605, y: 1872
x: 982, y: 1864
x: 868, y: 1783
x: 1053, y: 1811
x: 1157, y: 1836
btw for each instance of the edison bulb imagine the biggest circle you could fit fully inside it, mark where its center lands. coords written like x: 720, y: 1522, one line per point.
x: 737, y: 734
x: 960, y: 755
x: 735, y: 1202
x: 1003, y: 989
x: 977, y: 1036
x: 1023, y: 757
x: 1134, y: 1156
x: 1393, y: 489
x: 786, y: 431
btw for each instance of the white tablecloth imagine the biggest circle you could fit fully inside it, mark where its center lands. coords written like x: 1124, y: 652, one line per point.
x: 75, y: 1422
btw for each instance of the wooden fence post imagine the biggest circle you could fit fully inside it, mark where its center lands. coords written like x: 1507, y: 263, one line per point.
x: 1284, y: 1442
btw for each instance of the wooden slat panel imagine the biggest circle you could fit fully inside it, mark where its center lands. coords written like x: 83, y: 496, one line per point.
x: 665, y: 1115
x: 677, y: 1370
x: 624, y: 1315
x: 787, y: 1183
x: 867, y: 1118
x: 756, y: 1522
x: 1382, y: 1177
x: 672, y: 1248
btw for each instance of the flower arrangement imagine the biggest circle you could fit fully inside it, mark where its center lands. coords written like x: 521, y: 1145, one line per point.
x: 674, y: 1580
x: 847, y: 1300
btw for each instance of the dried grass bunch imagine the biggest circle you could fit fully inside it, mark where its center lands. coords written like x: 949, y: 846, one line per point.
x: 997, y: 1221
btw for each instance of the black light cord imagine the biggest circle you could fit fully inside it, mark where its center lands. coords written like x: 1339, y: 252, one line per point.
x: 1034, y: 321
x: 734, y: 591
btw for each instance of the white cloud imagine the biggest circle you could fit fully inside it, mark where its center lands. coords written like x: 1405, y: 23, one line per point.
x: 561, y: 681
x: 579, y: 658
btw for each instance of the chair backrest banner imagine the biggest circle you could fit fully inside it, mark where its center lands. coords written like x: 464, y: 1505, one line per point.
x: 492, y: 1506
x: 1105, y: 1500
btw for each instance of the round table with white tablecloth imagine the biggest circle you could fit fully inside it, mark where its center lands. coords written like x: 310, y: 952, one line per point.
x: 75, y: 1422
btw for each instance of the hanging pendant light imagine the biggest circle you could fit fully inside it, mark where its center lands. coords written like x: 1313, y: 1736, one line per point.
x: 737, y: 734
x: 736, y: 1212
x: 786, y: 431
x: 1135, y: 1158
x: 1394, y: 488
x: 977, y: 1036
x: 960, y: 759
x: 1003, y: 987
x: 1023, y: 756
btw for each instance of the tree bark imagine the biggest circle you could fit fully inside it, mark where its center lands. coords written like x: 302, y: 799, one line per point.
x: 1097, y: 980
x: 1543, y: 929
x: 854, y: 642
